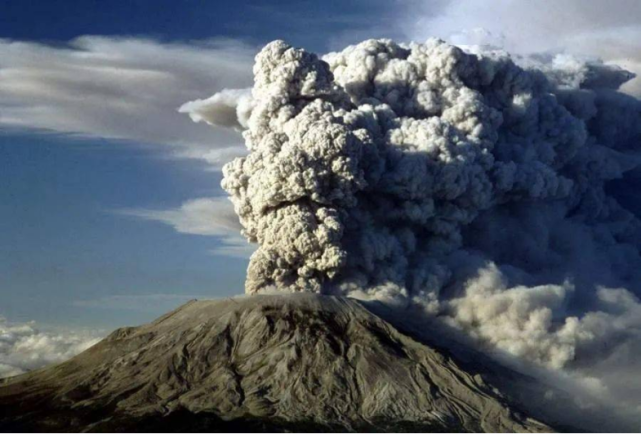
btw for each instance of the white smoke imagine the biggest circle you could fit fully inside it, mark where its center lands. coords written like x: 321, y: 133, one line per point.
x: 493, y: 194
x: 23, y: 347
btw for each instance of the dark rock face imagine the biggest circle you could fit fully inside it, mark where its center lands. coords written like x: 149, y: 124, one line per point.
x: 263, y: 363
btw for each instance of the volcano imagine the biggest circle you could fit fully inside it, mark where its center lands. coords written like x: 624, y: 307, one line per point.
x: 297, y: 362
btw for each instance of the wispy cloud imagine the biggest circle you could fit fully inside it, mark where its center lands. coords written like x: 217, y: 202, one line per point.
x: 213, y: 217
x: 138, y: 302
x: 123, y: 88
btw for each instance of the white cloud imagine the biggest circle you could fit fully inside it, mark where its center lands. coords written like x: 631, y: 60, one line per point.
x: 229, y: 108
x: 204, y: 216
x: 123, y: 88
x: 607, y: 30
x: 23, y: 347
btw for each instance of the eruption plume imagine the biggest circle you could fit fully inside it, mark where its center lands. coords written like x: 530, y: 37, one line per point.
x: 493, y: 193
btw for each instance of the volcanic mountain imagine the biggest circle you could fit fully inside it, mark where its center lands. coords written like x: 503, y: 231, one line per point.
x: 301, y: 362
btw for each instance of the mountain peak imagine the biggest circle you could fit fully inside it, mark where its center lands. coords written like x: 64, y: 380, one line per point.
x: 265, y: 362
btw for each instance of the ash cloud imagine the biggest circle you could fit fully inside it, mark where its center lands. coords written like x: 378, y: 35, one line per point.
x: 495, y: 196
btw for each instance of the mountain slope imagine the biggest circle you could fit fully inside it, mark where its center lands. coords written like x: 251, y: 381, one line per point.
x: 268, y: 362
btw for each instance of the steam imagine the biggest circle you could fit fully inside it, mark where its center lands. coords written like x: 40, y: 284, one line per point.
x: 491, y: 193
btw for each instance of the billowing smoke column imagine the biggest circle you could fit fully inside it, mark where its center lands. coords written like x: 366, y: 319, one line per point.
x: 364, y: 168
x: 449, y: 179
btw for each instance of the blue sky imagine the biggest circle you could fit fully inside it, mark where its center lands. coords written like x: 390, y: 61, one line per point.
x: 110, y: 210
x: 310, y: 23
x: 64, y: 249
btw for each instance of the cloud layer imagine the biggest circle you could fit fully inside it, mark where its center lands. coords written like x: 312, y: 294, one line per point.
x: 23, y: 347
x: 139, y: 302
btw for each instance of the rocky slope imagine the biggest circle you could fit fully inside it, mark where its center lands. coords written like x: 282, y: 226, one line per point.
x: 270, y: 362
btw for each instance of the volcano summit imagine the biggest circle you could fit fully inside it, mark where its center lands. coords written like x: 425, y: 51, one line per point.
x: 267, y: 362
